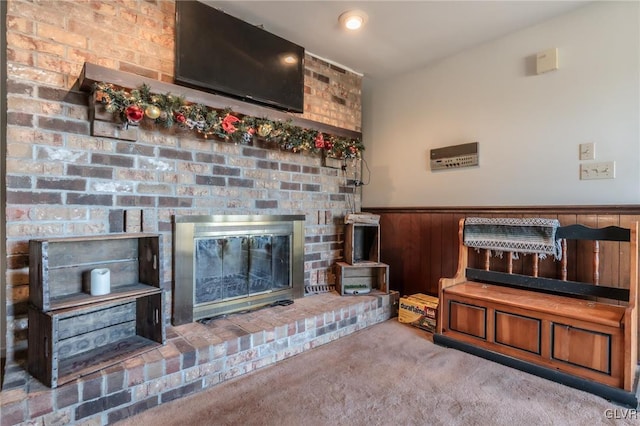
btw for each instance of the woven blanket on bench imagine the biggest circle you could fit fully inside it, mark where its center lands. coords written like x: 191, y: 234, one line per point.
x: 527, y: 235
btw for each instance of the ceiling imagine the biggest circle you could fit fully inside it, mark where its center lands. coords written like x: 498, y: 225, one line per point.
x: 399, y: 36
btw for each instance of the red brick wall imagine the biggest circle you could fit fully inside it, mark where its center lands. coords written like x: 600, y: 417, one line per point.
x: 61, y: 181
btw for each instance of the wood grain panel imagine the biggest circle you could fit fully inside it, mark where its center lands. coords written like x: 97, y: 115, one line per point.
x: 582, y: 347
x: 405, y: 242
x: 468, y: 319
x: 148, y: 255
x: 389, y: 248
x: 414, y: 280
x: 99, y: 338
x: 74, y: 253
x: 77, y: 279
x: 150, y: 318
x: 449, y: 251
x: 102, y: 357
x: 40, y: 350
x: 518, y: 331
x: 625, y: 264
x: 91, y: 321
x: 433, y: 269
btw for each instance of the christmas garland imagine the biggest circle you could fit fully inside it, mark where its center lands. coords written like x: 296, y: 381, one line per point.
x: 131, y: 107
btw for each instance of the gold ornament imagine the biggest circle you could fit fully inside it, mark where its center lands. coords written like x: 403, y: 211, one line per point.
x: 264, y: 130
x: 152, y: 112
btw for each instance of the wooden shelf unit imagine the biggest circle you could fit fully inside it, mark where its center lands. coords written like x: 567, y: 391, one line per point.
x: 71, y: 332
x: 70, y: 343
x: 60, y: 268
x: 362, y: 278
x: 362, y: 243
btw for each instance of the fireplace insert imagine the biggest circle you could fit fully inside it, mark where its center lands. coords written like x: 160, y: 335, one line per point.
x: 231, y: 263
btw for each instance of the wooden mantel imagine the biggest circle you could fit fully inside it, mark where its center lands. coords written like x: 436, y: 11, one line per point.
x: 92, y: 73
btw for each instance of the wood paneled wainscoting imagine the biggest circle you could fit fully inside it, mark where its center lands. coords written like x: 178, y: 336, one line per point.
x: 420, y: 245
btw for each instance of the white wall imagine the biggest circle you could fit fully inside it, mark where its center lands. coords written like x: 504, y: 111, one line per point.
x: 529, y: 126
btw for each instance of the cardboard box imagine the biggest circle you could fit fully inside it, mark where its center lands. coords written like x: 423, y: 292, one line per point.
x: 419, y: 310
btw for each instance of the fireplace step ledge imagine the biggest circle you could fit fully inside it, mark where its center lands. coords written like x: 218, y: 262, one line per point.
x: 196, y: 357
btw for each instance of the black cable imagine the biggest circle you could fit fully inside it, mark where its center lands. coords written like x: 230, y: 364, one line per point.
x: 368, y: 173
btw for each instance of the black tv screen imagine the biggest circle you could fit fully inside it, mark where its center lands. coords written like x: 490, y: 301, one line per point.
x: 219, y: 53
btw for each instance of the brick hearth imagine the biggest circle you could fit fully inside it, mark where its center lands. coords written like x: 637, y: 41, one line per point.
x: 196, y: 357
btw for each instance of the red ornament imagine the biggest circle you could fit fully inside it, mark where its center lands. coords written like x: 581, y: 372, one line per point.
x: 180, y: 118
x: 134, y: 113
x: 228, y: 123
x: 319, y: 140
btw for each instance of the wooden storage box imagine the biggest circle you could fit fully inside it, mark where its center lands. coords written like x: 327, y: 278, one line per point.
x: 60, y: 268
x: 362, y: 243
x: 70, y: 343
x: 363, y: 278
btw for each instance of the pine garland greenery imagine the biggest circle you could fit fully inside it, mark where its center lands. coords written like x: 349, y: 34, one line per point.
x: 168, y: 110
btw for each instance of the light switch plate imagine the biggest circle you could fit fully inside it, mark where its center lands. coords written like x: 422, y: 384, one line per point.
x: 547, y: 60
x: 600, y: 170
x: 588, y: 151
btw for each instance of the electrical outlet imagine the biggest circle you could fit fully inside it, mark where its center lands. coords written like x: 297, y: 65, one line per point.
x: 601, y: 170
x: 588, y: 151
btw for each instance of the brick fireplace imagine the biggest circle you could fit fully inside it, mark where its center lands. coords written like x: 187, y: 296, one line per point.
x: 63, y: 178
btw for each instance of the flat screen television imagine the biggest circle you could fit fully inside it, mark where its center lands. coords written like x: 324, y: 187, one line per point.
x: 221, y: 54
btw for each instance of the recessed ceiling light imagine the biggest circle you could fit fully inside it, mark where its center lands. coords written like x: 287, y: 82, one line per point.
x: 353, y: 19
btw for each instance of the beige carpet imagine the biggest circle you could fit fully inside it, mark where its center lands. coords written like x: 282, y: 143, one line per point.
x: 388, y: 374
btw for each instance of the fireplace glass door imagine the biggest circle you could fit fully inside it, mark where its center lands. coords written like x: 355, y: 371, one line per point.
x: 231, y: 267
x: 233, y: 263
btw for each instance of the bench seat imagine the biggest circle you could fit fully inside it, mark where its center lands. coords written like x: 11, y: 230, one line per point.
x: 579, y: 333
x: 557, y: 306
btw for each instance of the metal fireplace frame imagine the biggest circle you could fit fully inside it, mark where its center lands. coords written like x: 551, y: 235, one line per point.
x: 188, y: 228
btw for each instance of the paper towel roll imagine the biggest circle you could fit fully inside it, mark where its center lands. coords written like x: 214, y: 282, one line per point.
x: 100, y: 281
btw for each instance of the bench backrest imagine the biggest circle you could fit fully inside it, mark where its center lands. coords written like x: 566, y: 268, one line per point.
x: 511, y: 269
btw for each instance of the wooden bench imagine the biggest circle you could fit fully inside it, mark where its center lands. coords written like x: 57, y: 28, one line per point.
x: 581, y: 334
